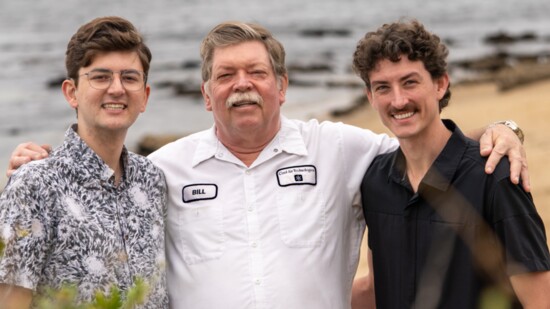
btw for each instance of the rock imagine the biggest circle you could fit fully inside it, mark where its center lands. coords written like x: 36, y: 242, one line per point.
x: 309, y: 68
x: 191, y: 64
x: 302, y: 82
x: 508, y: 71
x: 165, y: 84
x: 359, y: 102
x: 55, y: 82
x: 188, y: 88
x: 522, y: 74
x: 325, y: 32
x: 505, y: 38
x: 150, y: 142
x: 352, y: 83
x: 491, y: 63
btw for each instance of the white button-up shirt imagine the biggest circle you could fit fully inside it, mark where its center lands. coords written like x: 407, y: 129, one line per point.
x: 282, y: 233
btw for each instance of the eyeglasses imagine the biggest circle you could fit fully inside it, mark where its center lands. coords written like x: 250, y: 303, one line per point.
x: 131, y: 80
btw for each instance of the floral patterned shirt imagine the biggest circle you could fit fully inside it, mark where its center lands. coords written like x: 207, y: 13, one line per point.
x: 65, y: 222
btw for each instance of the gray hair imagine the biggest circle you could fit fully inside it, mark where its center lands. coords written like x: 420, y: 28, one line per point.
x: 234, y: 32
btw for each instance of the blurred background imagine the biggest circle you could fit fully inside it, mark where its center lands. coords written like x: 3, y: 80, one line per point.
x: 319, y: 36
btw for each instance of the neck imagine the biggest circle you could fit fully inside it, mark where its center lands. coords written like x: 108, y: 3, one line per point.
x: 108, y: 147
x: 421, y: 151
x: 246, y: 147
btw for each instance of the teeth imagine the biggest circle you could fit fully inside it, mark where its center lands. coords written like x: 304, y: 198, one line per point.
x: 403, y: 116
x: 114, y: 106
x: 243, y: 103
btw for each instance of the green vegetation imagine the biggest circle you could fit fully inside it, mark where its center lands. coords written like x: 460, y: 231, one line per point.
x: 66, y: 298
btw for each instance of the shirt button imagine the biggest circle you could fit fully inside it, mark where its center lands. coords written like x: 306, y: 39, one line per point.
x: 254, y: 245
x: 275, y: 150
x: 250, y: 208
x: 219, y: 155
x: 247, y: 172
x: 257, y: 281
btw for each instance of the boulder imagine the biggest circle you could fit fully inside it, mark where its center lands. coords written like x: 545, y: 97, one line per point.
x: 151, y: 142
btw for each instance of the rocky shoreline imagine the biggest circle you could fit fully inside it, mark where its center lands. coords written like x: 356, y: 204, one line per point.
x: 504, y: 68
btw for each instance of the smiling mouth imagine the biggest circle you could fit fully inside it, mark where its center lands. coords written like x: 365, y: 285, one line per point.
x: 403, y: 115
x: 114, y: 106
x: 244, y: 103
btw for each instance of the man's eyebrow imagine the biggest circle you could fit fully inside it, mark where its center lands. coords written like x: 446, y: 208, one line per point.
x: 412, y: 74
x: 405, y: 77
x: 102, y: 70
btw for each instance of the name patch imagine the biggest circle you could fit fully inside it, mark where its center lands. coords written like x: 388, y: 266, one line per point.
x: 199, y: 192
x: 297, y: 175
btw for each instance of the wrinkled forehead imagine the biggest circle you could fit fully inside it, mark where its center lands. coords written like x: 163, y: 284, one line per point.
x: 245, y: 54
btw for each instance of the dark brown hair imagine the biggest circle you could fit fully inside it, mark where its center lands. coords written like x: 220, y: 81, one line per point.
x: 104, y: 34
x: 398, y: 39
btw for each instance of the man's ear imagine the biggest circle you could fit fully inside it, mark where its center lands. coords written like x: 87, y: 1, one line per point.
x: 206, y: 95
x: 69, y: 91
x: 145, y: 98
x: 442, y: 85
x: 283, y: 86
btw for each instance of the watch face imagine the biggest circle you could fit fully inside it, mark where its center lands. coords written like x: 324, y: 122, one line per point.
x: 512, y: 125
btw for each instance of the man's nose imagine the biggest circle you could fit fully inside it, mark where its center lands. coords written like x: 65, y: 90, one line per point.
x: 116, y: 85
x: 400, y: 99
x: 242, y: 82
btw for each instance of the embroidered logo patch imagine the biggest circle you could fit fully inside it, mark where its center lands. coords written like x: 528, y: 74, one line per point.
x: 297, y: 175
x: 199, y: 192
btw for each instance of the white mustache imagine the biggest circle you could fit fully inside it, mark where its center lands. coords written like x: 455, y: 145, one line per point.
x: 244, y: 97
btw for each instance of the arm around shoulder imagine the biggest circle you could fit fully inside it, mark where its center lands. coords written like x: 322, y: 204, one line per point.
x: 362, y: 293
x: 14, y: 297
x: 532, y: 289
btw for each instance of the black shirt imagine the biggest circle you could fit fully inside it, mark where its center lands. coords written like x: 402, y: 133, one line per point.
x: 422, y: 242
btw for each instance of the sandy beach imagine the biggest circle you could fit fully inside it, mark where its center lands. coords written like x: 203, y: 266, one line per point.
x: 475, y: 105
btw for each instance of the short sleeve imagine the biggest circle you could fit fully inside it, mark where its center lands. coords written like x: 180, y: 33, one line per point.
x: 360, y: 147
x: 520, y: 229
x: 23, y: 231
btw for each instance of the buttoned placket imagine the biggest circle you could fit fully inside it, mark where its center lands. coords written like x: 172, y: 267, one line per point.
x: 119, y: 197
x: 255, y: 256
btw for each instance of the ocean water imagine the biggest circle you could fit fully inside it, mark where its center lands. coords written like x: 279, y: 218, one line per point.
x: 34, y: 34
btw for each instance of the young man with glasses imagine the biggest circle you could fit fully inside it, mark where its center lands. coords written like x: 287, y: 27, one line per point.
x: 92, y: 214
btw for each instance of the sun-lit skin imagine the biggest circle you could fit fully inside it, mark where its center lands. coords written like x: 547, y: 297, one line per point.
x: 406, y: 98
x: 107, y: 113
x: 104, y: 116
x: 246, y: 126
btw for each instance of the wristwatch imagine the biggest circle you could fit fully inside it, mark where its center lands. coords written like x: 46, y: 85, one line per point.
x: 514, y: 127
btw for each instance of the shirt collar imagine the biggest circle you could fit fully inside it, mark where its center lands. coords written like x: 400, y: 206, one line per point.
x: 443, y: 169
x: 87, y: 159
x: 289, y: 139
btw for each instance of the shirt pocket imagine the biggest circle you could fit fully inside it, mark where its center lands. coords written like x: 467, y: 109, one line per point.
x: 201, y: 233
x: 302, y: 216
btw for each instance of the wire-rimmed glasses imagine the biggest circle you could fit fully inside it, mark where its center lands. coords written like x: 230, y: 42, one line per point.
x: 131, y: 80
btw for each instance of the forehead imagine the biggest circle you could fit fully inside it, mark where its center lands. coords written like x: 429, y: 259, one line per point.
x: 386, y: 68
x: 248, y: 53
x: 116, y: 61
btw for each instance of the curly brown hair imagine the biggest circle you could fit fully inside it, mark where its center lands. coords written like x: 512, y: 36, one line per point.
x: 104, y: 34
x: 392, y: 41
